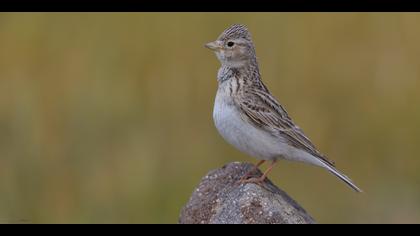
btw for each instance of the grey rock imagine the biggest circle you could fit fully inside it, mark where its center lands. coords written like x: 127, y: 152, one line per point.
x: 220, y: 199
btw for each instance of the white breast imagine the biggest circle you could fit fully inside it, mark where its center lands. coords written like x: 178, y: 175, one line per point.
x: 242, y: 135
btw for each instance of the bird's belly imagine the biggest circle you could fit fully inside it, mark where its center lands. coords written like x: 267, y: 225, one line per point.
x: 242, y: 135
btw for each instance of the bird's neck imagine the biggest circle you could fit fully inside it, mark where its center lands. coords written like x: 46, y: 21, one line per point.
x: 252, y: 69
x: 246, y: 76
x: 249, y: 71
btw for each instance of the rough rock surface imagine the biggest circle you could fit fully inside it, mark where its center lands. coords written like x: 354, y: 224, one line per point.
x: 219, y: 199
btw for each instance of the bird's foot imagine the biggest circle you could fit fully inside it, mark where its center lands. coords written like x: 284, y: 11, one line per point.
x: 258, y: 180
x: 245, y: 177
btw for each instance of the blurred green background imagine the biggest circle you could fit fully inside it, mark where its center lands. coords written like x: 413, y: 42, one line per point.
x: 107, y: 117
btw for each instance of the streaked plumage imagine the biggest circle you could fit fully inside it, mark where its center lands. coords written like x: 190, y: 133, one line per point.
x: 248, y: 116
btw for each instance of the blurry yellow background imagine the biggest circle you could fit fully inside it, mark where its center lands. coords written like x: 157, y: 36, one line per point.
x: 107, y: 117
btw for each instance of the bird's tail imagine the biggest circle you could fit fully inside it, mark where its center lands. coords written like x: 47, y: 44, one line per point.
x: 341, y: 176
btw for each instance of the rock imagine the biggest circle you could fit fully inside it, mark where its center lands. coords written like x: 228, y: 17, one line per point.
x: 220, y: 199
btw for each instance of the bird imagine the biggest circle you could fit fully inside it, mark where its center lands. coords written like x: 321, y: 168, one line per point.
x: 250, y: 118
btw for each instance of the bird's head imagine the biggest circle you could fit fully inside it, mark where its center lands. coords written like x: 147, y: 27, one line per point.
x: 234, y: 47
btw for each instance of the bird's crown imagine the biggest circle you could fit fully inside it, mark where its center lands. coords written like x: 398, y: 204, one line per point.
x: 234, y: 32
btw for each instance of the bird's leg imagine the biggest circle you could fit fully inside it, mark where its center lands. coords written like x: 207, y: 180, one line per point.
x: 262, y: 178
x: 249, y: 172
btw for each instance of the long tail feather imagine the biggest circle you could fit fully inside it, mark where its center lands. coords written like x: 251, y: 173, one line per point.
x: 341, y: 176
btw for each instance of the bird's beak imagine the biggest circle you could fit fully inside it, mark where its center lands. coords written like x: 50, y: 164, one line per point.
x: 213, y: 46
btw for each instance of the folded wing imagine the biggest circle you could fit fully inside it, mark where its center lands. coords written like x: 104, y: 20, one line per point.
x: 265, y: 112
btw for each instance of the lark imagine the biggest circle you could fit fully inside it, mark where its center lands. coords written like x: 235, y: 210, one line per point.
x: 250, y: 118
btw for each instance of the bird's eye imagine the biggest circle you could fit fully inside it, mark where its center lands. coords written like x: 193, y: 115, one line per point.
x: 230, y: 44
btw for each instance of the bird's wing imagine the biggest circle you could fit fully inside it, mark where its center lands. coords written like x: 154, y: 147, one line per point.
x: 265, y: 112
